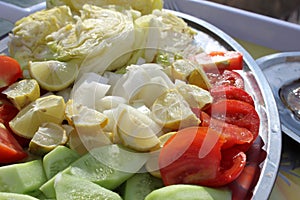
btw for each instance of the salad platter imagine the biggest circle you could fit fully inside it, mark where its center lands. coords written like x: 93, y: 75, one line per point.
x: 211, y: 39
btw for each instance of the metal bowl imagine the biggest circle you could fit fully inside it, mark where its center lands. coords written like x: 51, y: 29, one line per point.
x: 282, y: 70
x: 212, y: 38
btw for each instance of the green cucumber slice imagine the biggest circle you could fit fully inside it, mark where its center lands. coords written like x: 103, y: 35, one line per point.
x: 22, y: 177
x: 108, y: 166
x: 15, y: 196
x: 58, y: 159
x: 140, y: 185
x: 69, y: 187
x: 190, y: 192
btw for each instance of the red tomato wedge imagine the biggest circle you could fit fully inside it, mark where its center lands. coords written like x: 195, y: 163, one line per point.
x: 238, y: 113
x: 10, y: 71
x: 229, y: 60
x: 243, y: 185
x: 193, y: 156
x: 7, y: 110
x: 230, y: 92
x: 226, y: 78
x: 234, y: 135
x: 10, y: 149
x: 218, y: 61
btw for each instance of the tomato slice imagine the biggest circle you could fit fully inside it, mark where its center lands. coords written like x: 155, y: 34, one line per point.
x: 243, y: 185
x: 226, y: 78
x: 220, y: 61
x: 230, y: 92
x: 10, y: 71
x: 238, y: 113
x: 10, y: 149
x: 229, y: 60
x: 232, y: 164
x: 193, y: 156
x: 233, y: 134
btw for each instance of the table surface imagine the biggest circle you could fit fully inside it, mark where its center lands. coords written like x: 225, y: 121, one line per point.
x: 287, y: 186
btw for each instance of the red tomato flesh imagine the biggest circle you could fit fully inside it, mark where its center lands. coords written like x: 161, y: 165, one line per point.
x: 10, y: 149
x: 218, y: 61
x: 238, y: 113
x: 7, y: 110
x: 230, y: 92
x: 226, y: 78
x: 10, y: 71
x: 233, y: 134
x: 193, y: 156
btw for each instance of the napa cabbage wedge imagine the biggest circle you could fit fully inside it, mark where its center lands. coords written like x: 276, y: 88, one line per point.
x: 110, y: 38
x: 162, y: 32
x: 28, y: 37
x: 145, y: 7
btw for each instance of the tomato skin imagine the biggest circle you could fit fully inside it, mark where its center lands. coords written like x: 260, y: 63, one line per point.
x: 238, y: 113
x: 194, y: 156
x: 10, y: 149
x: 226, y: 78
x: 230, y: 92
x: 235, y: 136
x: 10, y: 71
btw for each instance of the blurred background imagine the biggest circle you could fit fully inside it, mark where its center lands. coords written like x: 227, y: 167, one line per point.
x: 287, y: 10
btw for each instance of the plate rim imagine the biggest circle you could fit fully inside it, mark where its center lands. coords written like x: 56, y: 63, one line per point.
x: 270, y: 166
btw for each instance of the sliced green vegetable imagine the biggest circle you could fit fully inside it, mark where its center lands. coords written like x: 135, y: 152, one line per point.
x: 190, y: 192
x: 108, y: 166
x: 15, y: 196
x: 140, y: 185
x: 58, y: 159
x: 22, y: 178
x: 69, y: 187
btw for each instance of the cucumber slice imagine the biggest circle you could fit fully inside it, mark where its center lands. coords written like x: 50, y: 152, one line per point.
x: 15, y: 196
x: 140, y: 185
x: 58, y: 159
x: 190, y: 192
x: 69, y: 187
x: 48, y: 188
x: 22, y: 177
x: 108, y: 166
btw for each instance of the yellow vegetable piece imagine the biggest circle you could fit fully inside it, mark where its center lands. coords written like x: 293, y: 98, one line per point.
x: 89, y: 124
x: 23, y: 92
x: 136, y: 130
x: 172, y: 111
x: 194, y: 95
x: 45, y: 109
x: 47, y: 137
x: 53, y: 75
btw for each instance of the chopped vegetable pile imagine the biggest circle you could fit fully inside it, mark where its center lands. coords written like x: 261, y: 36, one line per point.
x: 106, y: 101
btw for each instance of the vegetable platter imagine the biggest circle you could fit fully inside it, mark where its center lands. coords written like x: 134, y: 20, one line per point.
x: 125, y: 100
